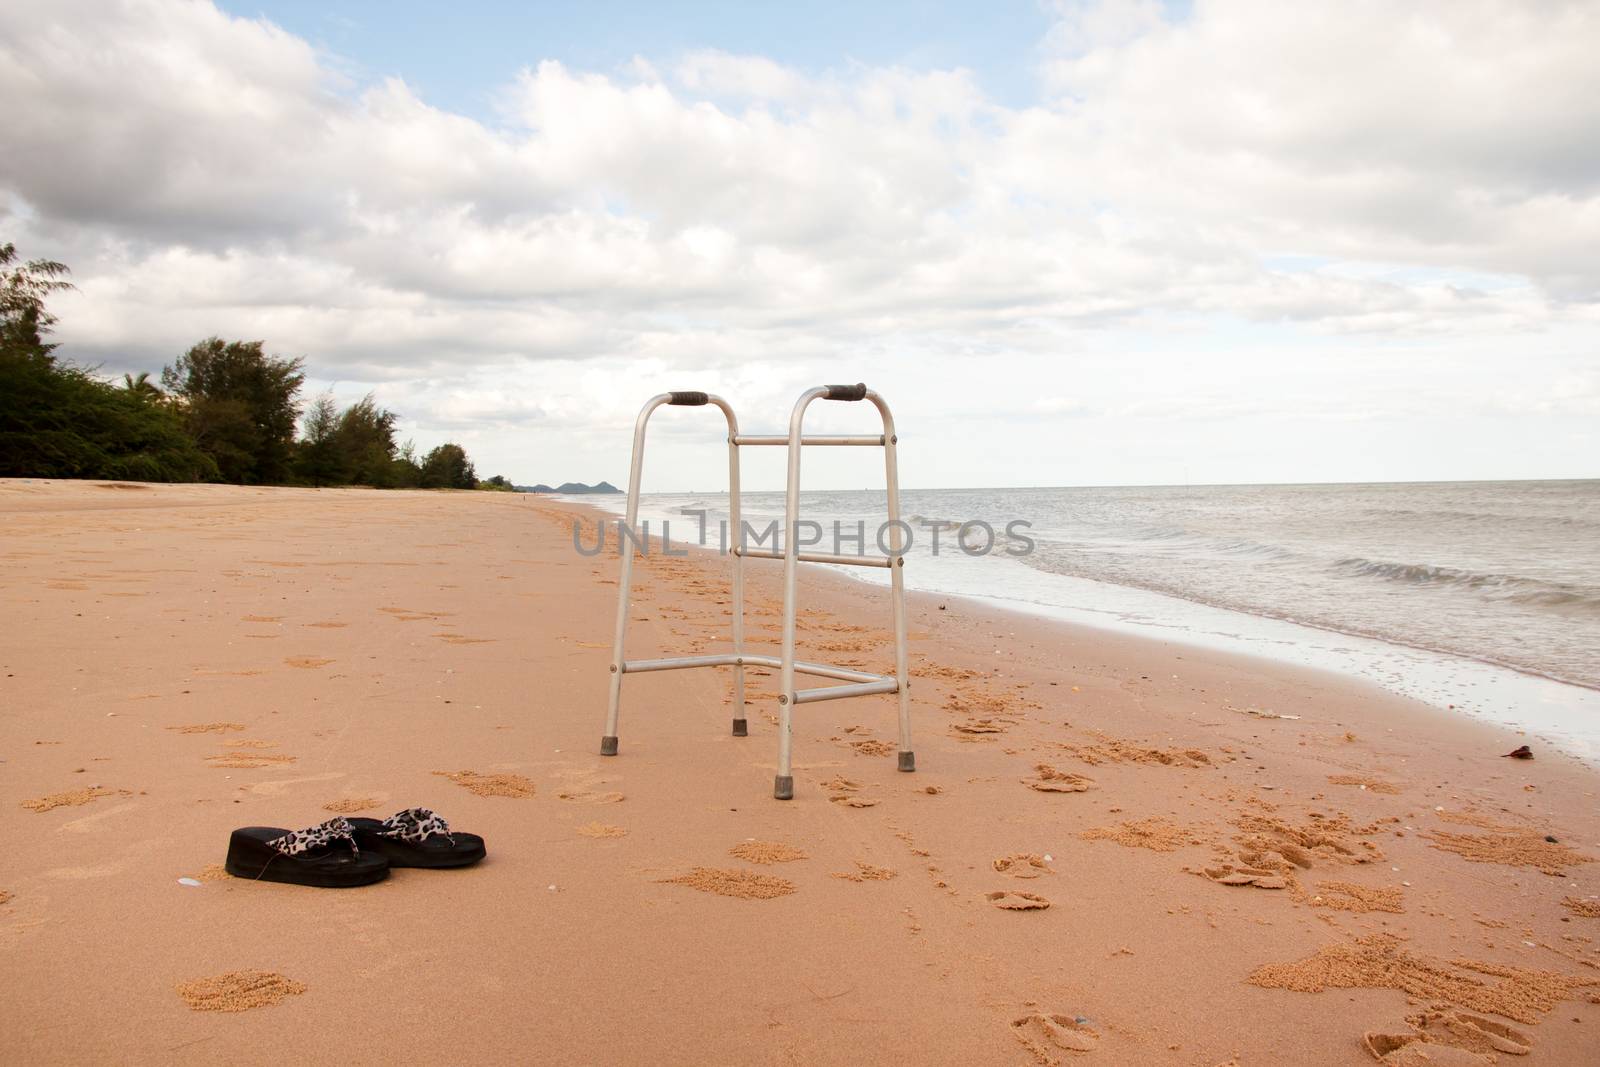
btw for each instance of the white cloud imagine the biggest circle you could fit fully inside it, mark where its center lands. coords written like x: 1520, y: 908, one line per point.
x: 1252, y: 174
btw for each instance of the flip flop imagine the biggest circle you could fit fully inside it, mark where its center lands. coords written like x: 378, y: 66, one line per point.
x: 417, y: 837
x: 325, y: 855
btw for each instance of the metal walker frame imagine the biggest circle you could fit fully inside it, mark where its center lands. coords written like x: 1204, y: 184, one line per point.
x: 859, y: 683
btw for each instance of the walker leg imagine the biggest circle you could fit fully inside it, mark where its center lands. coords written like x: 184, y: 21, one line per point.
x: 741, y: 728
x: 908, y: 760
x: 783, y: 787
x: 608, y: 747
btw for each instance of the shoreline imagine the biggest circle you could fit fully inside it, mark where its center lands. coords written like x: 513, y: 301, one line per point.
x: 1559, y: 712
x: 271, y: 652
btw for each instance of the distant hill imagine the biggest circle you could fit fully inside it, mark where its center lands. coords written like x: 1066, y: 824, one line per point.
x: 570, y: 488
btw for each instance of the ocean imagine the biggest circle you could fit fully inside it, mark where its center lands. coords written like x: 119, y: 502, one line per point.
x: 1480, y: 595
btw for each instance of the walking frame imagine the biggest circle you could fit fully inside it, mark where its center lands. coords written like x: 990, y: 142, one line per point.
x: 858, y: 683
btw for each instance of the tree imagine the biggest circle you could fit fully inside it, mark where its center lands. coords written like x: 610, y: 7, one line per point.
x: 23, y: 318
x: 447, y: 467
x: 142, y: 386
x: 406, y: 469
x: 318, y: 459
x: 241, y: 406
x: 365, y: 436
x: 60, y: 421
x: 499, y: 483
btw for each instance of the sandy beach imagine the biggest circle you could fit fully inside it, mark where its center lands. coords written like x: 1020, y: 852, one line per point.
x: 1113, y: 851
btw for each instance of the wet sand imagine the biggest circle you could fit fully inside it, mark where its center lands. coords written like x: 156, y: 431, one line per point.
x: 1113, y: 850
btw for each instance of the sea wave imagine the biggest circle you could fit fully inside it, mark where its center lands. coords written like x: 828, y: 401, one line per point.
x: 1516, y: 589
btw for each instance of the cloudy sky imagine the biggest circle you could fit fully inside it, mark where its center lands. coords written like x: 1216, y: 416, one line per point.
x: 1072, y: 243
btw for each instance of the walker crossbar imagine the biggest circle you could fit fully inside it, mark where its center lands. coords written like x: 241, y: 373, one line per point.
x: 857, y: 683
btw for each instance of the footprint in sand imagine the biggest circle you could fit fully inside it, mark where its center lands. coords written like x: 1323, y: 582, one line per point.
x: 1045, y: 1035
x: 1371, y: 785
x: 1023, y: 865
x: 735, y: 882
x: 1014, y: 900
x: 1583, y: 909
x: 1155, y: 833
x: 864, y: 872
x: 979, y: 729
x: 1464, y: 1030
x: 71, y: 799
x: 514, y: 786
x: 307, y: 662
x: 766, y: 852
x: 1261, y: 878
x: 350, y: 805
x: 241, y: 761
x: 584, y: 796
x: 843, y: 791
x: 238, y: 991
x: 462, y: 639
x: 1446, y: 1037
x: 1051, y: 780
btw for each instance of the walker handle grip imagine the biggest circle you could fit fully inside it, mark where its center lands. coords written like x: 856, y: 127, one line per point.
x: 857, y: 391
x: 692, y: 400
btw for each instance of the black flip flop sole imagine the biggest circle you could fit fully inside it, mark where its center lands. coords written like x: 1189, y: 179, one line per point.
x: 467, y: 850
x: 249, y: 856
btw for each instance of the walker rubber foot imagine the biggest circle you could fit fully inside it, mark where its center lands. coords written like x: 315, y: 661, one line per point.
x: 908, y: 761
x: 608, y: 746
x: 740, y: 728
x: 783, y: 787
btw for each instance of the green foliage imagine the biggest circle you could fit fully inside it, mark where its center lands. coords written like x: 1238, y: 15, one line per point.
x: 447, y: 467
x: 242, y: 405
x: 59, y: 421
x: 228, y: 413
x: 23, y: 318
x: 365, y: 439
x: 317, y: 460
x: 498, y: 484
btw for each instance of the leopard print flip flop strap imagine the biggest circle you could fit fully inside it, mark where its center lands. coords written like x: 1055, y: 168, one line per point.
x: 320, y: 836
x: 415, y: 825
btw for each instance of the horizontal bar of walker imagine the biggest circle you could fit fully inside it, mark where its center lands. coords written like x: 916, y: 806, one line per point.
x: 815, y: 439
x: 728, y: 659
x: 839, y: 692
x: 817, y: 557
